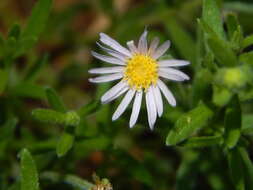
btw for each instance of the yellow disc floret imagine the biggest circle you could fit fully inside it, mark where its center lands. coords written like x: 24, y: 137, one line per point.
x: 141, y: 71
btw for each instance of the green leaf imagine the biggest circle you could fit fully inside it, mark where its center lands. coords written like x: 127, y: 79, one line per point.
x: 50, y: 116
x: 78, y: 182
x: 33, y: 71
x: 7, y: 131
x: 189, y: 123
x: 29, y: 175
x: 212, y: 16
x: 235, y: 33
x: 3, y: 79
x: 247, y: 124
x: 222, y: 51
x: 236, y: 169
x: 89, y: 108
x: 55, y: 101
x: 199, y: 142
x: 28, y: 90
x: 248, y: 168
x: 247, y: 58
x: 66, y: 142
x: 239, y: 7
x: 182, y: 40
x: 247, y: 41
x: 37, y: 21
x: 232, y: 123
x: 220, y: 48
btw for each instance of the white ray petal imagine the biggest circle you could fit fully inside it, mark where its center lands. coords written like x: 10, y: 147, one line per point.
x: 158, y: 100
x: 143, y: 44
x: 153, y: 45
x: 107, y: 70
x: 132, y: 47
x: 173, y: 63
x: 151, y: 109
x: 161, y: 50
x: 106, y: 78
x: 114, y: 53
x: 122, y: 91
x: 136, y: 108
x: 176, y: 72
x: 170, y: 76
x: 123, y: 105
x: 167, y: 93
x: 114, y: 44
x: 108, y: 59
x: 113, y: 91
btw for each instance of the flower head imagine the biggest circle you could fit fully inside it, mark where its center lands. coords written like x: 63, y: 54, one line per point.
x: 139, y: 71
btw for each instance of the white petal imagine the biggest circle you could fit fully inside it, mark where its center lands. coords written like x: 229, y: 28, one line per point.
x: 167, y: 93
x: 136, y: 108
x: 143, y: 44
x: 170, y: 76
x: 106, y: 78
x: 114, y: 53
x: 114, y: 44
x: 153, y: 45
x: 161, y: 50
x: 175, y: 72
x: 172, y: 63
x: 107, y: 70
x: 122, y: 91
x: 158, y: 100
x: 151, y: 109
x: 113, y: 91
x: 107, y: 59
x: 123, y: 105
x: 132, y: 47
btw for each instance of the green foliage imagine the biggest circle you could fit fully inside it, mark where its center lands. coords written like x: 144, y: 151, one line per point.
x: 188, y: 124
x: 29, y: 174
x: 48, y: 106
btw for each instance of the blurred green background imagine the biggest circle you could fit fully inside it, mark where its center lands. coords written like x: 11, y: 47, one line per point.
x: 130, y: 158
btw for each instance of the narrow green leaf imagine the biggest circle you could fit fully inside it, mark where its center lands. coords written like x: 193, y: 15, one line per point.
x: 7, y: 130
x: 49, y: 116
x: 247, y: 124
x: 199, y: 142
x: 236, y: 169
x: 247, y: 41
x: 54, y: 117
x: 222, y: 51
x: 55, y: 101
x: 66, y: 142
x: 37, y: 21
x: 233, y: 123
x: 3, y: 79
x: 232, y: 24
x: 29, y: 175
x: 238, y: 6
x: 248, y: 168
x: 189, y: 123
x: 28, y: 90
x: 182, y: 40
x: 89, y: 108
x: 78, y: 182
x: 33, y: 71
x: 247, y: 58
x: 220, y: 48
x: 212, y: 16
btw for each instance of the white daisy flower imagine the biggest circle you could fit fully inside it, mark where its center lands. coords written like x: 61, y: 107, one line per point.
x: 139, y: 70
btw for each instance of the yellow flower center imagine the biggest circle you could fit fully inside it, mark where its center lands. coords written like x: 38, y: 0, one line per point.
x: 141, y: 71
